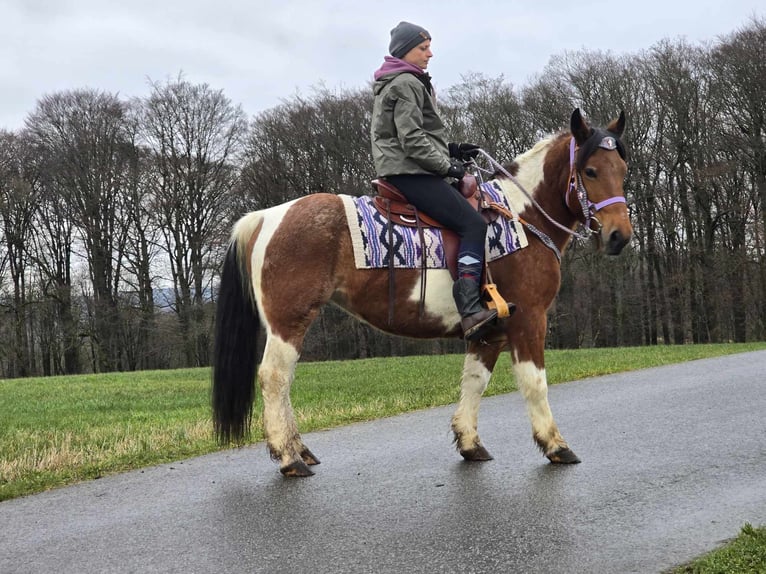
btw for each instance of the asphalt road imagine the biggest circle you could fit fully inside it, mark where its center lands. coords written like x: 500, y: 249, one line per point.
x: 674, y: 463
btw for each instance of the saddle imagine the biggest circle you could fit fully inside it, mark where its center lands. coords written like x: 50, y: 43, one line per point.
x: 392, y: 205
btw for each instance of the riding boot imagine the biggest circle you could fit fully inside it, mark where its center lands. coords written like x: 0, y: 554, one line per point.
x: 475, y: 319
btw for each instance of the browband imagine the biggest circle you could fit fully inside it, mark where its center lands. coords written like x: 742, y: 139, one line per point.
x: 599, y: 138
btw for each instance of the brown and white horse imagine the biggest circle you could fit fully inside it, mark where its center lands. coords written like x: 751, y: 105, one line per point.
x: 285, y: 262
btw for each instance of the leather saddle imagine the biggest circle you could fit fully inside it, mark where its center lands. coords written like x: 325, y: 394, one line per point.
x: 392, y: 205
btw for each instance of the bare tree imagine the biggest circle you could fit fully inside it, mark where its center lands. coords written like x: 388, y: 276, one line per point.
x: 738, y: 65
x: 320, y: 144
x: 194, y: 134
x: 83, y: 135
x: 18, y: 204
x: 488, y: 112
x: 142, y: 252
x: 105, y: 205
x: 51, y: 250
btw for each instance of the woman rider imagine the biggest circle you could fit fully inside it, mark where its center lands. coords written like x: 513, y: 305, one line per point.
x: 410, y: 150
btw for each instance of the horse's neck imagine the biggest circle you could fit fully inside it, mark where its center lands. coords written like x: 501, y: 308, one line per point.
x: 548, y: 157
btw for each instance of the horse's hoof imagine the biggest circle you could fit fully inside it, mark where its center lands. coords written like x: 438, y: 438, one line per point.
x: 308, y: 457
x: 477, y: 453
x: 297, y: 468
x: 563, y: 456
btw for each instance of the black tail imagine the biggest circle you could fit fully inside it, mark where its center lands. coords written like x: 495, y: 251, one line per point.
x: 237, y: 328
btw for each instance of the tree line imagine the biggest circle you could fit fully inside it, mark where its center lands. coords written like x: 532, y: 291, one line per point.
x: 114, y: 212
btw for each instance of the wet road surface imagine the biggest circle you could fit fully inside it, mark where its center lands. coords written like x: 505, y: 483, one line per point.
x: 674, y: 463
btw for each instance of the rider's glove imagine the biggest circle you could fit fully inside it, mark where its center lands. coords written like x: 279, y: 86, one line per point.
x: 463, y: 151
x: 456, y: 169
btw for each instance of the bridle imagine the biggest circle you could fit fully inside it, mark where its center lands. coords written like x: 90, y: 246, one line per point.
x: 577, y: 190
x: 598, y: 138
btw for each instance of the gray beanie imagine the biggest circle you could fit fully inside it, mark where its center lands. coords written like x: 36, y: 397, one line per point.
x: 404, y: 37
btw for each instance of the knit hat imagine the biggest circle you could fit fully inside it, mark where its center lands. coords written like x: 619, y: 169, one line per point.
x: 404, y: 37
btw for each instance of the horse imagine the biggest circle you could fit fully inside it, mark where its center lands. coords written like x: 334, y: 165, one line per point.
x: 285, y: 262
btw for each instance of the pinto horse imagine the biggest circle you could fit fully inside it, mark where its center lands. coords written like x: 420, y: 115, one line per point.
x: 285, y: 262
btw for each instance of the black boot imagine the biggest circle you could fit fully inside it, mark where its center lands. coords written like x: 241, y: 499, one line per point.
x: 475, y: 319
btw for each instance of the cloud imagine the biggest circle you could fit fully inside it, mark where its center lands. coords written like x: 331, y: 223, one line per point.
x: 260, y: 53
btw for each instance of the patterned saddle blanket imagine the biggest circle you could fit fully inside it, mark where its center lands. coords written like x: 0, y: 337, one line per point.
x: 372, y: 248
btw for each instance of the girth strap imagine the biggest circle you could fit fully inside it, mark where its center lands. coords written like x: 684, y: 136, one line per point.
x: 391, y: 254
x: 423, y: 264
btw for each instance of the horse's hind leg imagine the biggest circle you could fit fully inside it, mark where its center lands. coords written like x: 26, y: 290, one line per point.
x: 477, y: 369
x: 297, y: 275
x: 275, y: 376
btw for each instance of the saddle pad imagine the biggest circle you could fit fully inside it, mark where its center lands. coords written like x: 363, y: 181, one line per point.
x: 370, y: 237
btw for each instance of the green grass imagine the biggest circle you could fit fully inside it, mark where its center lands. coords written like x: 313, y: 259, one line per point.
x: 59, y: 430
x: 746, y: 554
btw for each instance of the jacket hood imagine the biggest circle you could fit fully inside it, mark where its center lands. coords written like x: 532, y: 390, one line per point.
x: 391, y: 68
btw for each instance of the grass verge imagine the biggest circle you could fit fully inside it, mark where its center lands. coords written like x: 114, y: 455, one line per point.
x: 746, y: 554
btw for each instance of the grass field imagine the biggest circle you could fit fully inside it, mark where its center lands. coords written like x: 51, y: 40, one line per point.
x: 746, y: 554
x: 59, y: 430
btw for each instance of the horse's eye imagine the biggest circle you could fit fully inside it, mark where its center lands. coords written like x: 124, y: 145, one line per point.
x: 590, y: 172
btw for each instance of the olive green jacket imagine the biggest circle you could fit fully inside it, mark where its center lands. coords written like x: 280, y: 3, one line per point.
x: 408, y: 136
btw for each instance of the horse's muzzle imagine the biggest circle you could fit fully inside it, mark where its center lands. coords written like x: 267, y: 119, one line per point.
x: 615, y: 242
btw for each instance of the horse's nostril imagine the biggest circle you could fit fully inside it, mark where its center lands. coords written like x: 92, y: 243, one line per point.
x: 616, y: 242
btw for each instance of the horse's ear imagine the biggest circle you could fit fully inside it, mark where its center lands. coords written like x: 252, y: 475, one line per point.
x: 580, y: 129
x: 617, y: 126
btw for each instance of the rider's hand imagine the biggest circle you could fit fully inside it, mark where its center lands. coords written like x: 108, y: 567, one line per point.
x: 456, y: 169
x: 463, y: 151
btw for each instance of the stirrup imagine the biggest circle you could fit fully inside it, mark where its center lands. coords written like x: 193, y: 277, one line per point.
x: 497, y: 302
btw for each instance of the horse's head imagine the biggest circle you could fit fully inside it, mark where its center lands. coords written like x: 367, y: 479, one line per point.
x: 598, y: 170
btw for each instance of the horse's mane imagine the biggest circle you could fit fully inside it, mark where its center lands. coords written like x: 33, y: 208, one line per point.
x: 528, y: 168
x: 531, y: 156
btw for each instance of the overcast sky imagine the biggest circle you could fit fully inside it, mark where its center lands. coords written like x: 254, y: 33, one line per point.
x: 262, y: 52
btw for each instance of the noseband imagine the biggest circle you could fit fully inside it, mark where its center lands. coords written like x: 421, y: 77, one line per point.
x: 598, y: 139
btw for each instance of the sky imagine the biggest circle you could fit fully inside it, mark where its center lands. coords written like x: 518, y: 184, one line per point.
x: 261, y: 53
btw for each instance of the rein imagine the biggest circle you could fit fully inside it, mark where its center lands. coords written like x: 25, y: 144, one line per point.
x: 589, y: 209
x: 494, y: 163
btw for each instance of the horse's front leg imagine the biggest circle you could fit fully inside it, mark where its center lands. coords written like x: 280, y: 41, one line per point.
x: 527, y: 354
x: 533, y: 385
x: 477, y: 368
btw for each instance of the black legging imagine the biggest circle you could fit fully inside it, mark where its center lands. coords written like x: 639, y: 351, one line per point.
x: 435, y: 197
